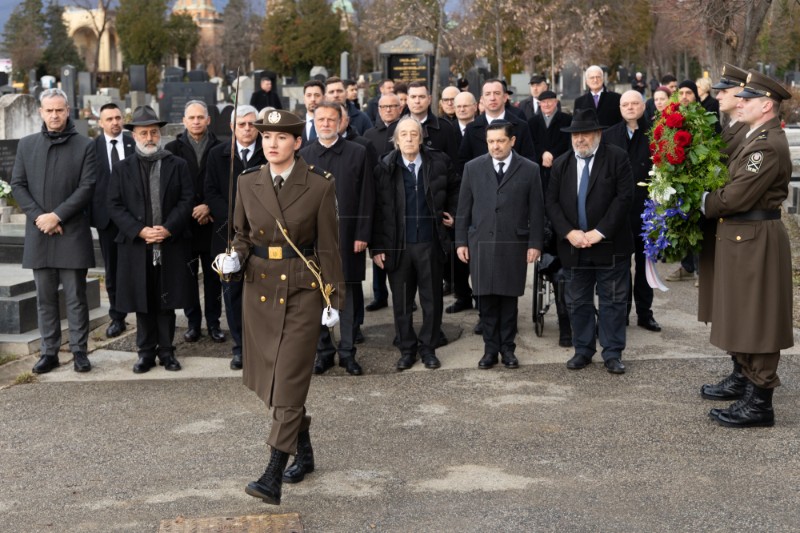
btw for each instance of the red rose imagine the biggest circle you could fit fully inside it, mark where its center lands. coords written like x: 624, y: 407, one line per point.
x: 662, y: 145
x: 682, y: 138
x: 675, y: 120
x: 657, y: 159
x: 653, y: 148
x: 658, y: 132
x: 673, y: 107
x: 677, y: 157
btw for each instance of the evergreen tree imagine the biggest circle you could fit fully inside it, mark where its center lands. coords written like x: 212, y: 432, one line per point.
x: 23, y: 37
x: 142, y: 29
x: 183, y: 34
x: 60, y: 48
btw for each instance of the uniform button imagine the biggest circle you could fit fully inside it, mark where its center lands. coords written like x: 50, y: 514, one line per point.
x: 261, y: 232
x: 263, y: 275
x: 264, y: 299
x: 283, y: 277
x: 282, y: 301
x: 738, y: 237
x: 313, y: 284
x: 721, y: 220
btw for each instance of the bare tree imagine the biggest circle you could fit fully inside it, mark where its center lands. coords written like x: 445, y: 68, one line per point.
x: 99, y: 24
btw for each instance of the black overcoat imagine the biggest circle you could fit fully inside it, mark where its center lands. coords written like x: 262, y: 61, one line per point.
x: 608, y: 112
x: 99, y: 205
x: 550, y: 139
x: 474, y: 142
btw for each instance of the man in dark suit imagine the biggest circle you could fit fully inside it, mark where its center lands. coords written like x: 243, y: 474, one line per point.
x: 530, y: 105
x: 192, y: 146
x: 355, y: 195
x: 604, y: 102
x: 437, y: 133
x: 335, y: 91
x: 385, y: 86
x: 631, y: 136
x: 112, y: 146
x: 447, y: 104
x: 150, y: 200
x: 589, y: 201
x: 499, y: 231
x: 249, y: 154
x: 265, y: 96
x: 313, y: 95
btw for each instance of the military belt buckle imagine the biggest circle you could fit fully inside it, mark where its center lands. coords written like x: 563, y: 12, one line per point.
x: 275, y: 252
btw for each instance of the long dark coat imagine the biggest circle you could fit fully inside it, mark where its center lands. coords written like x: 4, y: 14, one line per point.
x: 733, y: 135
x: 127, y: 208
x: 608, y: 205
x: 608, y: 112
x: 201, y: 234
x: 281, y: 303
x: 474, y: 142
x: 355, y: 194
x: 381, y: 136
x: 56, y: 176
x: 550, y: 139
x: 217, y: 184
x: 752, y: 303
x: 499, y: 223
x: 440, y: 185
x: 99, y: 205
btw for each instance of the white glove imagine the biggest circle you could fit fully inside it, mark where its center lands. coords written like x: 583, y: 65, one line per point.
x: 229, y: 263
x: 330, y: 317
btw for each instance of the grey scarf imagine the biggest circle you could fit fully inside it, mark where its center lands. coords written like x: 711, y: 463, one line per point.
x: 153, y: 162
x: 199, y: 147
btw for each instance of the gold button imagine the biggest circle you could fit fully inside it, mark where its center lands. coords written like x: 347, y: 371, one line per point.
x: 313, y: 284
x: 721, y: 220
x: 283, y: 277
x: 261, y: 232
x: 282, y: 301
x: 738, y: 237
x: 263, y: 275
x: 263, y: 298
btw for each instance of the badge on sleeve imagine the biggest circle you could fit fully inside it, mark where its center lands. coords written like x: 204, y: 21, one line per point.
x: 754, y: 163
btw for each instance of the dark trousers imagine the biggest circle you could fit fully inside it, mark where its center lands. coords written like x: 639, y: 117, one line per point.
x: 460, y: 269
x: 73, y: 281
x: 689, y: 263
x: 418, y: 268
x: 347, y: 326
x: 232, y: 294
x: 611, y: 284
x: 379, y: 290
x: 499, y: 322
x: 155, y: 329
x: 212, y: 293
x: 109, y: 250
x: 640, y: 291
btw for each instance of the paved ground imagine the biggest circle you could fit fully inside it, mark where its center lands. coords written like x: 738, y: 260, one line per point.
x: 541, y: 448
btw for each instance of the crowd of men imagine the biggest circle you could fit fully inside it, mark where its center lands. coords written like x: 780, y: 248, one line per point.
x: 448, y: 201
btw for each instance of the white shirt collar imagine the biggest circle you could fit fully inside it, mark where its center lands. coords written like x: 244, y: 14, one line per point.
x: 285, y: 174
x: 506, y: 162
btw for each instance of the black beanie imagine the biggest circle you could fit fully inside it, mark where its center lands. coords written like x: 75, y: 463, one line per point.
x: 691, y: 85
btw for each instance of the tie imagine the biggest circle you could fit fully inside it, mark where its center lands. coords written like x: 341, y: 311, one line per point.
x: 411, y: 168
x: 583, y: 187
x: 244, y: 156
x: 278, y: 183
x: 500, y: 172
x: 312, y: 134
x: 596, y: 99
x: 114, y: 153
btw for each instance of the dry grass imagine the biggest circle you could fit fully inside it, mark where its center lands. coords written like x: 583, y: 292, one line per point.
x: 5, y: 358
x: 25, y: 378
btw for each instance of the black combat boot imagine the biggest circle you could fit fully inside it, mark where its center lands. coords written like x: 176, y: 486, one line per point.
x: 268, y: 486
x: 756, y: 412
x: 303, y: 461
x: 748, y: 391
x: 730, y: 388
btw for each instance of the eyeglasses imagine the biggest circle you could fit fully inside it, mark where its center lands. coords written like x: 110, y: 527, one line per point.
x: 392, y: 106
x: 245, y: 124
x: 465, y: 106
x: 448, y: 100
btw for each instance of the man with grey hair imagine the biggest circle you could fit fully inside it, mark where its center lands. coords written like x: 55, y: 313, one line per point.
x: 193, y: 146
x: 604, y: 102
x: 53, y: 183
x: 150, y: 200
x: 248, y: 155
x: 416, y: 196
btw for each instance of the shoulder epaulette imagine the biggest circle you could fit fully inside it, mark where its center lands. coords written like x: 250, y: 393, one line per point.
x: 762, y: 136
x: 252, y: 169
x: 316, y: 170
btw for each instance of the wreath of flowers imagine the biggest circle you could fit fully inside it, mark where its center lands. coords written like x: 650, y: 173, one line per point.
x: 687, y: 161
x: 5, y: 189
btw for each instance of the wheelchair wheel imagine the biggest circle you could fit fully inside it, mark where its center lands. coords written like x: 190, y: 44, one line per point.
x: 538, y: 300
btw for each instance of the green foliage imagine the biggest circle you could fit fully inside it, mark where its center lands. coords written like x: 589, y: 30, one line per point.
x: 183, y: 34
x: 142, y: 29
x: 60, y: 48
x: 299, y: 34
x: 23, y: 36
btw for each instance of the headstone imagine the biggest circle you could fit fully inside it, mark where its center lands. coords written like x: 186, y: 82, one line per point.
x: 111, y: 92
x: 3, y: 78
x: 48, y: 82
x: 138, y: 78
x: 571, y: 79
x: 407, y: 58
x: 175, y: 95
x: 173, y: 74
x: 94, y: 102
x: 444, y: 72
x: 85, y: 85
x: 8, y: 153
x: 69, y: 84
x: 19, y: 116
x: 318, y: 71
x: 32, y: 85
x: 136, y: 99
x: 197, y: 75
x: 246, y: 87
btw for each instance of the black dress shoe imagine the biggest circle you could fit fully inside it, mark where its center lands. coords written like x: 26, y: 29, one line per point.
x: 442, y: 340
x: 144, y: 364
x: 447, y: 289
x: 478, y: 329
x: 431, y: 361
x: 322, y: 364
x: 649, y: 324
x: 458, y: 306
x: 115, y: 329
x: 350, y: 366
x: 216, y: 334
x: 406, y: 361
x: 192, y: 335
x: 509, y: 360
x: 359, y: 338
x: 236, y: 362
x: 374, y: 305
x: 487, y: 361
x: 45, y: 364
x: 81, y: 363
x: 614, y: 366
x: 169, y: 362
x: 578, y: 361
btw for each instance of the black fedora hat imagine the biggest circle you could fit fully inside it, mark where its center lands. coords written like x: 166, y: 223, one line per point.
x: 583, y: 120
x: 144, y: 115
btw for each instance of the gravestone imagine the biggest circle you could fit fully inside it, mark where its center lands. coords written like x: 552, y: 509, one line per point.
x: 246, y: 87
x: 85, y: 85
x: 173, y: 74
x: 407, y: 58
x: 19, y: 116
x: 138, y: 77
x: 571, y: 80
x: 175, y: 95
x: 3, y: 78
x: 197, y: 75
x: 477, y: 75
x: 94, y: 102
x: 69, y: 83
x: 8, y: 153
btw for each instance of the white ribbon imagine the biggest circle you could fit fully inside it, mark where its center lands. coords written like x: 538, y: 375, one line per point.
x: 653, y: 279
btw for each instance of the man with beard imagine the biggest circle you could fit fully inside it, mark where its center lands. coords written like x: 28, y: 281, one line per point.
x: 150, y: 200
x: 53, y: 181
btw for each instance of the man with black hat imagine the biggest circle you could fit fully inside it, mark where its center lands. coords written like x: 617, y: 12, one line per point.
x: 530, y: 105
x: 150, y: 199
x: 283, y: 297
x: 589, y: 202
x: 751, y: 315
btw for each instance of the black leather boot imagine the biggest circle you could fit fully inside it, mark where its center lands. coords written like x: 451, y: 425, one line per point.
x: 303, y: 461
x: 730, y: 388
x: 268, y: 486
x: 145, y: 362
x: 755, y: 412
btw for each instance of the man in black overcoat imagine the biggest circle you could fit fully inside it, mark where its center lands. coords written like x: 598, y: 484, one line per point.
x: 604, y: 102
